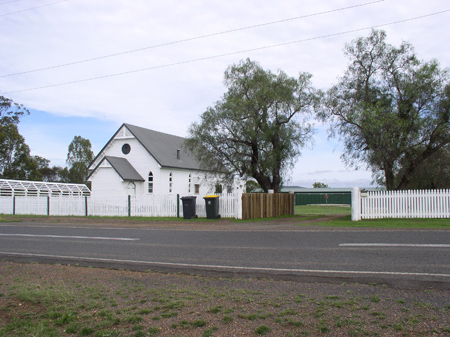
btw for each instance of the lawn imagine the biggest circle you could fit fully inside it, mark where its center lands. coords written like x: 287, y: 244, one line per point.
x: 323, y: 210
x: 312, y: 211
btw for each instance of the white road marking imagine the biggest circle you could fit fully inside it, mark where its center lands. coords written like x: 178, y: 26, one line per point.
x: 70, y: 237
x: 205, y: 266
x: 394, y: 245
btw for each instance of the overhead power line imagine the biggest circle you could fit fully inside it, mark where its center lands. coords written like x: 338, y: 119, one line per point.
x: 5, y: 3
x: 229, y: 54
x: 29, y: 9
x: 190, y: 39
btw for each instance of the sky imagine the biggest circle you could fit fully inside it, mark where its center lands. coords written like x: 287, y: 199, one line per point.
x: 84, y: 67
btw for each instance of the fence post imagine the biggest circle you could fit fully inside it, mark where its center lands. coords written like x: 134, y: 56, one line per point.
x: 14, y: 205
x: 85, y: 206
x: 238, y: 203
x: 48, y: 205
x: 356, y: 204
x: 129, y: 205
x: 178, y: 205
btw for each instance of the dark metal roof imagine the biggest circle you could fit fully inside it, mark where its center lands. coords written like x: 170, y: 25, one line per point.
x: 125, y: 170
x: 168, y: 150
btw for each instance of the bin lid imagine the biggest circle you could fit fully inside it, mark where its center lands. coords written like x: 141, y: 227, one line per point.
x: 210, y: 196
x: 188, y: 197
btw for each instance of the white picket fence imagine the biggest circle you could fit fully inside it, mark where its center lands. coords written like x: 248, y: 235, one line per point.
x: 404, y: 204
x: 230, y: 205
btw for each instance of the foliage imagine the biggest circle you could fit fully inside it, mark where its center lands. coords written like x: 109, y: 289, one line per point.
x: 391, y: 110
x: 257, y: 129
x: 50, y: 174
x: 251, y: 186
x: 15, y: 159
x: 318, y: 184
x: 79, y: 157
x: 11, y: 112
x: 433, y: 173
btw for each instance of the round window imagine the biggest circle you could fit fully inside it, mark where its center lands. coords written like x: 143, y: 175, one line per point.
x: 126, y: 148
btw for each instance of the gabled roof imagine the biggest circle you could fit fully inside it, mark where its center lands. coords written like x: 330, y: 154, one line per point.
x: 167, y: 150
x: 164, y: 148
x: 123, y: 168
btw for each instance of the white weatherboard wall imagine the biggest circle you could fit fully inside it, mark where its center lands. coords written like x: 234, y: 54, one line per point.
x: 110, y: 182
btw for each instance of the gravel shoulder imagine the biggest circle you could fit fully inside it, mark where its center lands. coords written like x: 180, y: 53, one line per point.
x: 78, y: 301
x: 61, y: 300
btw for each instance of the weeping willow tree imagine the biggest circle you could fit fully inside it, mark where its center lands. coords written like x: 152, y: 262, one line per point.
x: 259, y: 126
x: 391, y: 110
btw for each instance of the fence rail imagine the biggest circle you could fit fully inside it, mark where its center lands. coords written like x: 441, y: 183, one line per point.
x: 405, y: 204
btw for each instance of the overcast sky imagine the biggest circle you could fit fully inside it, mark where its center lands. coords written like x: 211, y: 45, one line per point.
x: 84, y: 67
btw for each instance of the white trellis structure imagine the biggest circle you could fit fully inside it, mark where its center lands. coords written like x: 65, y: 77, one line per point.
x: 14, y: 188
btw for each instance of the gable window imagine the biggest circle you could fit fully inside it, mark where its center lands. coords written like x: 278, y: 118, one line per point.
x: 126, y: 148
x: 197, y: 188
x: 170, y: 182
x: 150, y: 182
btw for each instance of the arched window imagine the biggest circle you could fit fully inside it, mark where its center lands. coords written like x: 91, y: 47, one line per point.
x: 189, y: 186
x: 170, y: 182
x: 150, y: 182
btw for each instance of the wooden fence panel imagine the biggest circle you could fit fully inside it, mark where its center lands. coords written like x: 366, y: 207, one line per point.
x: 267, y: 205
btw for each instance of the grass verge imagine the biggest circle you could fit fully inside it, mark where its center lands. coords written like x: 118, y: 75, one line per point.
x: 387, y: 223
x: 45, y: 300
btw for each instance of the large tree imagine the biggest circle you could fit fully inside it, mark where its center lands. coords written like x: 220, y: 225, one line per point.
x: 391, y: 110
x: 257, y: 129
x: 15, y: 159
x: 79, y: 157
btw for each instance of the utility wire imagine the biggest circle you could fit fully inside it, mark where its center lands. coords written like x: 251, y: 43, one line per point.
x: 229, y: 54
x: 29, y: 9
x: 4, y: 3
x: 190, y: 39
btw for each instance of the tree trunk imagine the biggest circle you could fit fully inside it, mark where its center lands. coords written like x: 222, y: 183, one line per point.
x: 389, y: 177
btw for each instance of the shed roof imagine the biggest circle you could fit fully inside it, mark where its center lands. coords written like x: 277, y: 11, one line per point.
x: 124, y: 169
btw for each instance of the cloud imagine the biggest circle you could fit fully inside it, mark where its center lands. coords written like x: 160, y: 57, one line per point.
x: 172, y: 93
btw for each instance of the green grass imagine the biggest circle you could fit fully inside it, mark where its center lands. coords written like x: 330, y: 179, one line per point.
x: 323, y: 210
x: 9, y: 219
x: 303, y: 214
x: 387, y: 223
x: 20, y: 217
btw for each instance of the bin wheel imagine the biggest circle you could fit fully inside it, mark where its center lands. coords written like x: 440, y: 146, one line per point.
x: 218, y: 216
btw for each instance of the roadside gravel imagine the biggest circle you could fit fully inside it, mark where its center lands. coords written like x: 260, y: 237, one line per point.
x: 79, y: 301
x: 57, y: 300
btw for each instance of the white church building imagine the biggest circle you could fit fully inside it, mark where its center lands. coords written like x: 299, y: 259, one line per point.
x: 138, y: 161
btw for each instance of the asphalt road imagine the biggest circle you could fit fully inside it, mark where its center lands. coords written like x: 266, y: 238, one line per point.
x: 400, y: 257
